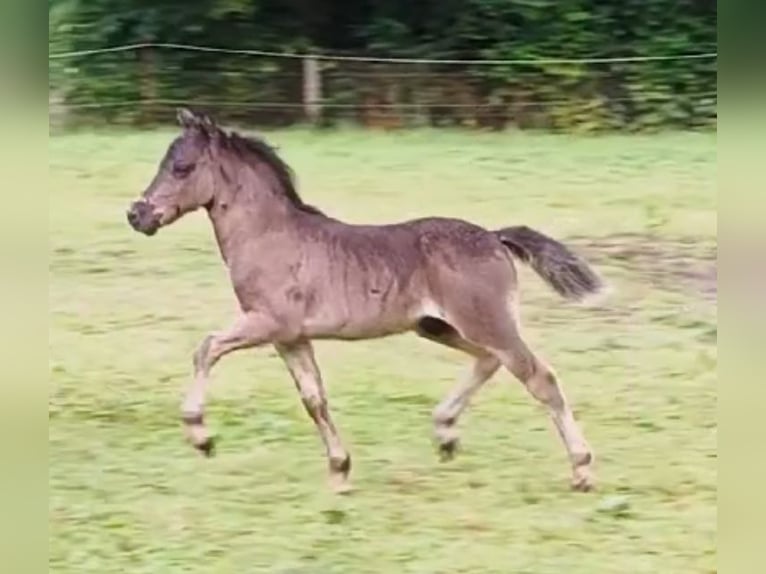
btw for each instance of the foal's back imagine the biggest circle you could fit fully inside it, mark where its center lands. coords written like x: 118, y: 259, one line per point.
x: 359, y: 281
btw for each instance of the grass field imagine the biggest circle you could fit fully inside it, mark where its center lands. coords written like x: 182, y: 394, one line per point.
x: 126, y: 312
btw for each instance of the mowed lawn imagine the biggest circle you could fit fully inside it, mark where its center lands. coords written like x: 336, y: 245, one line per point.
x: 126, y: 312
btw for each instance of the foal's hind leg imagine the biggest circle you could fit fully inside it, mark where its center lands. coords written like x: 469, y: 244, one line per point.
x: 542, y: 383
x: 446, y: 413
x: 299, y: 358
x: 488, y: 322
x: 248, y: 330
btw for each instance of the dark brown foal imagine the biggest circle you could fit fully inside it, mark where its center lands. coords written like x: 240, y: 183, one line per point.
x: 300, y: 275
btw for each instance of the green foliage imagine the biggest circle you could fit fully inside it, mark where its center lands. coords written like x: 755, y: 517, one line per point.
x: 633, y: 95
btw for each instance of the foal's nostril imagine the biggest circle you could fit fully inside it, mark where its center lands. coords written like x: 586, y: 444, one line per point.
x: 141, y: 217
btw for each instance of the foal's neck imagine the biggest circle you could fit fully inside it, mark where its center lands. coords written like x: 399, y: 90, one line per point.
x: 246, y: 209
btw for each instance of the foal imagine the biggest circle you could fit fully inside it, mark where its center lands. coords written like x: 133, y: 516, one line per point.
x: 300, y: 275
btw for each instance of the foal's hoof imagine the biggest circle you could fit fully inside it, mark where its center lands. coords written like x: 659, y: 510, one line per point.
x: 340, y: 468
x: 342, y: 487
x: 582, y: 480
x: 340, y: 484
x: 206, y: 447
x: 448, y: 449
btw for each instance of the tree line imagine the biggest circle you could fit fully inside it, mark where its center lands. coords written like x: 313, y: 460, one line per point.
x: 677, y: 92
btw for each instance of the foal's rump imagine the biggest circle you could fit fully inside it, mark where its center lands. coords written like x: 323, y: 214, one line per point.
x: 473, y: 282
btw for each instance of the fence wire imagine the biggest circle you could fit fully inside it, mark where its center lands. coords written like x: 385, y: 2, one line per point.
x: 144, y: 82
x: 380, y: 59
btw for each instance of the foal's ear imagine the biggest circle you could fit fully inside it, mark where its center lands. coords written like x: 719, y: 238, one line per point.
x: 201, y: 122
x: 186, y: 118
x: 207, y: 124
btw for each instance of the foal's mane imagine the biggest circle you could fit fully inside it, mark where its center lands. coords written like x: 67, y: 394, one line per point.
x: 249, y: 147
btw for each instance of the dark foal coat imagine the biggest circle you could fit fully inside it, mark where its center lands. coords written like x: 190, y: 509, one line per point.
x: 299, y: 275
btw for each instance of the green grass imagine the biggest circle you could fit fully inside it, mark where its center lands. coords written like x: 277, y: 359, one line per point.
x: 126, y: 312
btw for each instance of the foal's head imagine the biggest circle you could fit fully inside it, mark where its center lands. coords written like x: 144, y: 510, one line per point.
x: 185, y: 180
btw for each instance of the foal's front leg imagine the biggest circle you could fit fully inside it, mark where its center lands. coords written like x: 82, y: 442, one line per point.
x: 249, y: 330
x: 299, y: 358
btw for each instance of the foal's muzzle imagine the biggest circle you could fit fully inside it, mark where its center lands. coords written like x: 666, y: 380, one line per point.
x: 142, y: 218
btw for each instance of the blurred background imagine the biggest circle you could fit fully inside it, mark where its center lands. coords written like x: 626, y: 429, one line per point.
x: 554, y: 64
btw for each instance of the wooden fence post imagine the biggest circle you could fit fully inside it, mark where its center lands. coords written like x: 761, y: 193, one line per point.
x: 148, y: 84
x: 312, y: 89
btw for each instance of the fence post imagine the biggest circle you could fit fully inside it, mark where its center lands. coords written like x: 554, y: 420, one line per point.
x: 312, y: 89
x: 148, y: 84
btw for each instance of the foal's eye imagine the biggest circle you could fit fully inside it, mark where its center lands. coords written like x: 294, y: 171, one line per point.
x: 182, y: 170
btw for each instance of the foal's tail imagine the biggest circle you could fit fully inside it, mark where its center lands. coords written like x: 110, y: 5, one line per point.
x: 565, y: 272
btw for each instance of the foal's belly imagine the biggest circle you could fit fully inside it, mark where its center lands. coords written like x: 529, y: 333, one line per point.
x: 357, y: 328
x: 360, y: 322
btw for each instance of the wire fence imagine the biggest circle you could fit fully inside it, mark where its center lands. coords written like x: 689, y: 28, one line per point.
x: 145, y: 82
x: 377, y: 59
